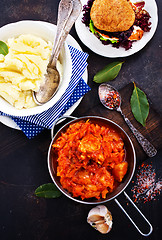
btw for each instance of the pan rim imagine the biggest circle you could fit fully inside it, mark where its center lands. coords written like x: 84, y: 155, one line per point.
x: 63, y: 190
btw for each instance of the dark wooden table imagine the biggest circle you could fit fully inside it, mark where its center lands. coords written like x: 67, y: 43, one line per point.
x: 23, y: 165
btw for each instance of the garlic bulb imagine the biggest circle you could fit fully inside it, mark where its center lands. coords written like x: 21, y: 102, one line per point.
x: 100, y: 218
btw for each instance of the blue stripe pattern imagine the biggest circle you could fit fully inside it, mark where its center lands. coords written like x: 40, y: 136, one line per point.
x: 33, y: 125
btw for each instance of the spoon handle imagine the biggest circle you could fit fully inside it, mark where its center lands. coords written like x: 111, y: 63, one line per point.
x: 76, y: 10
x: 146, y: 145
x: 64, y: 11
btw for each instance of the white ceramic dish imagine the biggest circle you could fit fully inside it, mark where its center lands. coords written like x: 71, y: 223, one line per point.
x: 96, y: 46
x: 46, y: 32
x: 71, y: 41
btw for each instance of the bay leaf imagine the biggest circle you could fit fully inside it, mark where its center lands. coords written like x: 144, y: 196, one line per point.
x: 48, y: 190
x: 3, y: 48
x: 108, y: 73
x: 139, y: 105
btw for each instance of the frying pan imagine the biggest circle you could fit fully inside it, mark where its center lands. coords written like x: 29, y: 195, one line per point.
x: 130, y: 158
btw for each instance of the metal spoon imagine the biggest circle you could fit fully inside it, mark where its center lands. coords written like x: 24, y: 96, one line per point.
x: 68, y: 12
x: 104, y: 91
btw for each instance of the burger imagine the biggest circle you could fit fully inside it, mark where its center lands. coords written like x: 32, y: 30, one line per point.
x: 116, y: 22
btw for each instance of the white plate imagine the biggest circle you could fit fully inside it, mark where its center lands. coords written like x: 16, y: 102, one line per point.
x: 96, y: 45
x: 71, y: 41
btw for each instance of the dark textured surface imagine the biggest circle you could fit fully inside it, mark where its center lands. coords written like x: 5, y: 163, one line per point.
x: 23, y: 165
x: 153, y: 123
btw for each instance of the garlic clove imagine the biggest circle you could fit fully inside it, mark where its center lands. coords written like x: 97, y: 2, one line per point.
x: 100, y: 218
x: 95, y: 218
x: 102, y: 228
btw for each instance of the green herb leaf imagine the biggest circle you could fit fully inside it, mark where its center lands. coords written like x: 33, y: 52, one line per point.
x: 139, y: 105
x: 3, y: 48
x: 48, y: 190
x: 108, y: 39
x: 113, y: 41
x: 91, y: 27
x: 108, y: 73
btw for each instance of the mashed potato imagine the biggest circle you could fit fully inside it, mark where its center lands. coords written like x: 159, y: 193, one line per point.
x: 22, y: 69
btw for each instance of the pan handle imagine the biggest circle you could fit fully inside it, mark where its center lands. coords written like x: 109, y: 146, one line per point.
x: 130, y: 200
x: 57, y: 120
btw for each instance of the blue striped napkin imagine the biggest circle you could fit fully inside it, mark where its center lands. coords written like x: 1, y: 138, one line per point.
x: 34, y: 124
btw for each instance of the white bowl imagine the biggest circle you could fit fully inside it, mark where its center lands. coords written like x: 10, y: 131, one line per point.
x: 46, y: 32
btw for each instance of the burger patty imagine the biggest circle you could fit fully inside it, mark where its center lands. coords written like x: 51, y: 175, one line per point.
x: 112, y: 15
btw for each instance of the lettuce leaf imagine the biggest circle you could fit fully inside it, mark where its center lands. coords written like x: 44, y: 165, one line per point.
x: 91, y: 27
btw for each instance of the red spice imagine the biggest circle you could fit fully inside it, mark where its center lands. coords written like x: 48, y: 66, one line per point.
x: 147, y: 187
x: 112, y: 99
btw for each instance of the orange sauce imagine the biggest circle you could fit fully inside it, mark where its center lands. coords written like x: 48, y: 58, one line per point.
x: 91, y: 159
